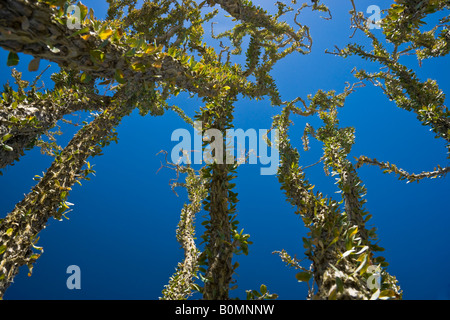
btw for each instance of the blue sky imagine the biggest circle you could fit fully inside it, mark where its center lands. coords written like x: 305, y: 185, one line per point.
x: 122, y: 230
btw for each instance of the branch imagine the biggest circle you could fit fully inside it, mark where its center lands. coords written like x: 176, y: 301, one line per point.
x: 47, y: 37
x: 181, y: 283
x: 392, y: 168
x: 18, y: 231
x: 24, y: 117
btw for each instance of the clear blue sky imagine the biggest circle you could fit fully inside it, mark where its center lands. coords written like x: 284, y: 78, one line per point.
x: 122, y: 230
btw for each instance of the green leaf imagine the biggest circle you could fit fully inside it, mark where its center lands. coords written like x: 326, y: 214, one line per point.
x: 91, y: 14
x: 397, y: 9
x: 196, y: 287
x: 263, y: 289
x: 83, y: 11
x: 105, y: 34
x: 334, y: 241
x: 375, y: 247
x: 256, y: 293
x: 362, y: 268
x: 35, y: 256
x: 13, y: 59
x: 34, y: 64
x: 340, y: 284
x: 2, y: 249
x: 119, y: 76
x: 131, y: 52
x: 171, y: 52
x: 6, y: 137
x: 385, y: 294
x: 9, y: 232
x: 97, y: 55
x: 81, y: 31
x: 353, y: 231
x: 306, y: 243
x: 303, y: 276
x: 83, y: 78
x: 137, y: 66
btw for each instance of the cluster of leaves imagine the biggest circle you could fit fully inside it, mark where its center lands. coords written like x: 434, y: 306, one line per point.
x: 338, y: 243
x: 402, y: 25
x: 270, y: 41
x: 262, y: 294
x: 401, y: 28
x: 28, y: 113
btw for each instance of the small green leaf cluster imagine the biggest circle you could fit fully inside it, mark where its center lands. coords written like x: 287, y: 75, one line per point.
x: 262, y: 294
